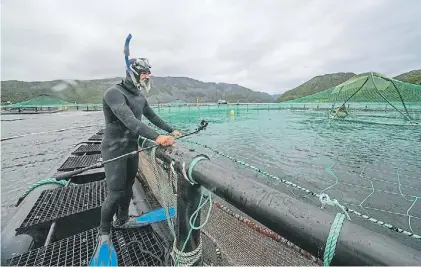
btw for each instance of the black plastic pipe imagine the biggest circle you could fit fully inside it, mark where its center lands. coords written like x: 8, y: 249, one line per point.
x: 301, y: 223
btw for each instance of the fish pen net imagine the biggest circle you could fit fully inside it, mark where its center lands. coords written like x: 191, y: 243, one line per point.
x: 229, y: 237
x: 370, y: 97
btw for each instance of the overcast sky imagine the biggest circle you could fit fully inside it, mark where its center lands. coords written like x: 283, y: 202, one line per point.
x: 269, y: 46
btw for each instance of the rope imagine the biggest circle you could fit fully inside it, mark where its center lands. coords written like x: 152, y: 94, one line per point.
x: 189, y: 258
x: 288, y: 183
x: 191, y: 166
x: 332, y: 238
x: 192, y: 257
x: 325, y: 199
x: 38, y: 184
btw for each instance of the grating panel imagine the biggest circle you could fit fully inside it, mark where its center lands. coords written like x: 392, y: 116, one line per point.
x: 134, y: 247
x: 96, y: 137
x: 61, y: 202
x: 139, y: 248
x: 88, y: 149
x: 79, y: 162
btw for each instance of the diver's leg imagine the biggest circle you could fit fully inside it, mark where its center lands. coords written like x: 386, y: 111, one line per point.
x: 123, y: 206
x: 115, y: 173
x: 132, y: 169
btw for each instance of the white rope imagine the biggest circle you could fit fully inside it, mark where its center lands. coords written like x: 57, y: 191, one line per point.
x: 187, y: 258
x: 325, y: 200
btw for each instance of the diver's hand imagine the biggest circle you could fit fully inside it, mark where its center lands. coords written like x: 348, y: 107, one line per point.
x: 165, y: 140
x: 176, y: 133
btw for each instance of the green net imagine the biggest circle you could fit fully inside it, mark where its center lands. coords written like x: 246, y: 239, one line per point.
x: 47, y: 102
x: 369, y: 92
x: 40, y: 101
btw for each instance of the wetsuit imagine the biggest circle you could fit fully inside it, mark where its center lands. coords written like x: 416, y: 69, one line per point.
x: 123, y: 107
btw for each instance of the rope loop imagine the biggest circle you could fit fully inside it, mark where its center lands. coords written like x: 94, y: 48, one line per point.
x: 325, y: 200
x: 193, y: 163
x: 187, y: 258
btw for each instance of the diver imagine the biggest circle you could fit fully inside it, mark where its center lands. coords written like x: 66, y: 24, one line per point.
x: 123, y: 106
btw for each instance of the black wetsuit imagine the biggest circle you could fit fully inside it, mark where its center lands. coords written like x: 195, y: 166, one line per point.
x: 123, y: 107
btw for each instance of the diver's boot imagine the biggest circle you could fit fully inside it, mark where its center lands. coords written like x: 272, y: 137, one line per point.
x: 126, y: 222
x: 152, y: 216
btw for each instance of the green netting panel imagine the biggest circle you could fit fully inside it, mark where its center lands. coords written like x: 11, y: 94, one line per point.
x: 367, y: 88
x: 40, y: 101
x: 371, y: 91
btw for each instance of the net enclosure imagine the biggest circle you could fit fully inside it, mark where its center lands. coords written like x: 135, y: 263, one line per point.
x: 369, y: 92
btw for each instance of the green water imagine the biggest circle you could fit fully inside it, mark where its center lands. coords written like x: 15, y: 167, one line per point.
x: 370, y: 162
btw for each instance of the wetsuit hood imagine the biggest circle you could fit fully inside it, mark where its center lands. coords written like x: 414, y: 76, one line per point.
x: 129, y: 86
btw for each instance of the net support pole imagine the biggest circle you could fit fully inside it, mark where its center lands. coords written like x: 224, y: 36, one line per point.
x: 304, y: 224
x: 188, y: 197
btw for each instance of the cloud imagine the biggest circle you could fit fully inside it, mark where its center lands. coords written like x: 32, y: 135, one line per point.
x: 269, y: 46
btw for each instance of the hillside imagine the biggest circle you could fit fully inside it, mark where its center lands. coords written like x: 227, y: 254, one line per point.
x: 413, y: 76
x: 315, y: 85
x: 164, y: 89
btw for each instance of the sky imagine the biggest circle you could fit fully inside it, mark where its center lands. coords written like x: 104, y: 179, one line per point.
x: 268, y: 46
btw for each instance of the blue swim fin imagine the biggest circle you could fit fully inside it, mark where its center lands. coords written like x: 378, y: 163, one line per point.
x: 145, y: 219
x: 105, y: 255
x: 155, y: 216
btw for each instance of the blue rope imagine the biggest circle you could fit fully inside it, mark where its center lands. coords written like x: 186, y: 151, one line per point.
x: 332, y: 238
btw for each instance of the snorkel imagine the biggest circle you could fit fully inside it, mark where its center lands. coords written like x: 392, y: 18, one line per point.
x: 137, y: 62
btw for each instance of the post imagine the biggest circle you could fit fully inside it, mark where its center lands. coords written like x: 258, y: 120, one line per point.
x: 188, y: 197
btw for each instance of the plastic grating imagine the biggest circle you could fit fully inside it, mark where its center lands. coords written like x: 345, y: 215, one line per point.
x: 79, y: 162
x: 65, y: 201
x: 101, y: 131
x: 134, y: 247
x: 88, y: 149
x: 96, y: 137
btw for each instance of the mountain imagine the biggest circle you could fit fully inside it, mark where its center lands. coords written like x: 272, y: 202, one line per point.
x: 315, y: 85
x: 164, y: 90
x: 276, y: 96
x: 413, y: 76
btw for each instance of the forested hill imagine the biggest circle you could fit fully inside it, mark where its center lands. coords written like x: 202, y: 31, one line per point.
x: 164, y: 90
